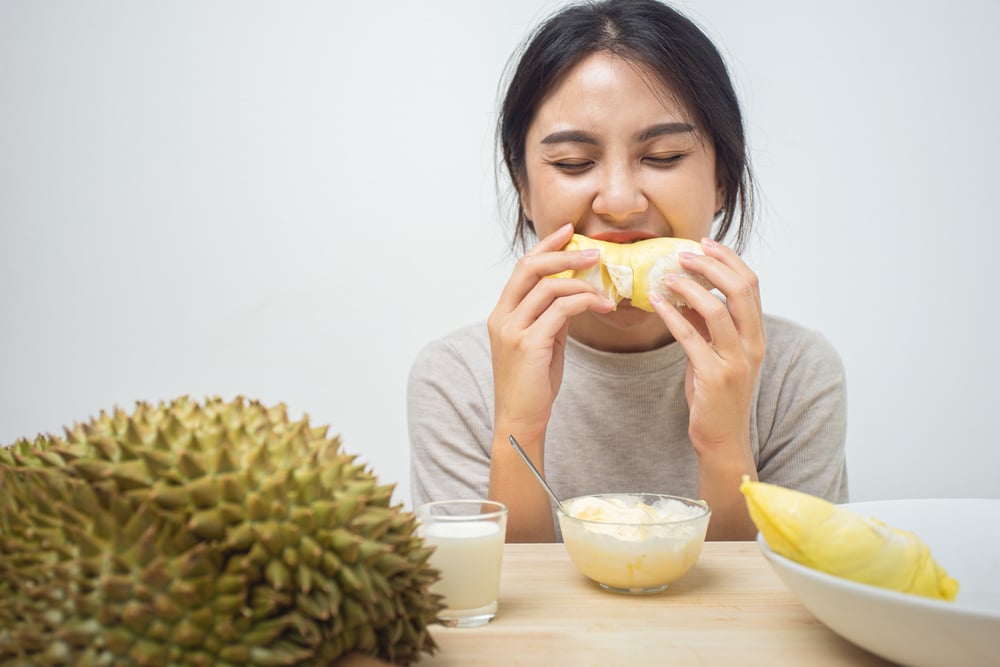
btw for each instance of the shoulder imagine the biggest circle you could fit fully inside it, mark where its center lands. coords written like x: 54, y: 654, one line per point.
x: 471, y: 342
x: 464, y: 352
x: 801, y: 369
x: 792, y: 344
x: 801, y: 412
x: 449, y: 392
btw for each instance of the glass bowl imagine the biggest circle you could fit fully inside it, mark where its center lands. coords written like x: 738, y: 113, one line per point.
x: 635, y: 543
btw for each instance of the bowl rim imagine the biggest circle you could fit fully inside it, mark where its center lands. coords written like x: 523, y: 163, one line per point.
x: 870, y: 590
x: 690, y: 502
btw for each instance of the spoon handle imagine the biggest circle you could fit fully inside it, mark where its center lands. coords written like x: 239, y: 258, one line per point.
x: 538, y: 475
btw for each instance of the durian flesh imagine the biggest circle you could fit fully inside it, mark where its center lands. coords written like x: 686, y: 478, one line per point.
x: 634, y: 270
x: 204, y: 534
x: 821, y: 535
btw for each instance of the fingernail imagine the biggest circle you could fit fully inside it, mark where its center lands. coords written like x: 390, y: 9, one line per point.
x: 656, y: 297
x: 591, y: 253
x: 672, y: 278
x: 709, y: 242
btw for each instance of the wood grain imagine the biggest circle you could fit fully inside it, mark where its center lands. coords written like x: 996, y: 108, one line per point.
x: 731, y: 609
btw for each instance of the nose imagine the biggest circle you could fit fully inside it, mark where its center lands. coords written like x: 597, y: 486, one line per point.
x: 619, y: 194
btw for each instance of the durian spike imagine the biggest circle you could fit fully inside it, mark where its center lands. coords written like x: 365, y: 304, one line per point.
x: 200, y: 534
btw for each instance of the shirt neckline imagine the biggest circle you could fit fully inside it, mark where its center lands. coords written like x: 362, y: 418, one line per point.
x: 624, y: 363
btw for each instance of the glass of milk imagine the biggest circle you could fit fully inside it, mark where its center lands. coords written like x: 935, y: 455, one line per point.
x: 468, y: 537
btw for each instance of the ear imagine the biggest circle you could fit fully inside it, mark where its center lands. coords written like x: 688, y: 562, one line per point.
x: 523, y: 199
x: 720, y: 197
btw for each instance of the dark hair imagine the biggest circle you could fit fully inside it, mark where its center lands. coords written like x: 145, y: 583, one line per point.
x: 666, y: 43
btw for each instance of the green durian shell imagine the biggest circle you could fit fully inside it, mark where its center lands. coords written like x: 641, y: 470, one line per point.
x: 213, y: 533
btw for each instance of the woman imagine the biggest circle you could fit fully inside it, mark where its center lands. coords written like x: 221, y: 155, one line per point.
x: 620, y: 123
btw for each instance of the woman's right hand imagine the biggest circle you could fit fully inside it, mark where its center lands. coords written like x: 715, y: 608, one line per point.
x: 528, y: 329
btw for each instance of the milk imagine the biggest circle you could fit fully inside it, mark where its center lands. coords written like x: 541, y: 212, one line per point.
x: 468, y: 554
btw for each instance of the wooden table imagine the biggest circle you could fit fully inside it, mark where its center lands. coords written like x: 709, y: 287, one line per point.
x: 730, y: 610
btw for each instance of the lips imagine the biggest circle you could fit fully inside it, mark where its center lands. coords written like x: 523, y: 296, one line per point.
x: 623, y: 236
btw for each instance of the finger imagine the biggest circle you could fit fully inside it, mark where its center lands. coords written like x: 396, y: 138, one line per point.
x: 546, y: 293
x: 727, y: 272
x: 548, y: 325
x: 532, y: 270
x: 717, y: 321
x: 697, y: 321
x: 696, y: 345
x: 545, y: 259
x: 731, y: 259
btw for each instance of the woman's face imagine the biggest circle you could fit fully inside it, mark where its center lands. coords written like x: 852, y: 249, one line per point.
x: 612, y: 151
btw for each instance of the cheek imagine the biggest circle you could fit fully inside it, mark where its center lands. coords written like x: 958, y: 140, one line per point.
x: 553, y: 201
x: 688, y: 204
x: 707, y: 195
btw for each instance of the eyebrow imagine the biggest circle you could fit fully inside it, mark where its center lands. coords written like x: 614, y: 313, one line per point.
x: 580, y: 137
x: 665, y: 128
x: 569, y: 136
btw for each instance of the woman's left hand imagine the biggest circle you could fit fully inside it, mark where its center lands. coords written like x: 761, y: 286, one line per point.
x: 724, y: 342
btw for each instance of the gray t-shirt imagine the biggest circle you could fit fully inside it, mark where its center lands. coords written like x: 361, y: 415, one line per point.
x: 620, y: 420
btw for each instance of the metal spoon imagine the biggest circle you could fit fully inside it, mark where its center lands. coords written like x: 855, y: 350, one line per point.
x: 537, y: 474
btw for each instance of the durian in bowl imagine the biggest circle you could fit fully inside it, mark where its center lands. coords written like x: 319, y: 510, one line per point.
x: 635, y: 543
x: 913, y: 581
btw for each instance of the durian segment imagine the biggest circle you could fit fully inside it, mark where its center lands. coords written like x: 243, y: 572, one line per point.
x: 821, y: 535
x: 195, y: 534
x: 634, y: 270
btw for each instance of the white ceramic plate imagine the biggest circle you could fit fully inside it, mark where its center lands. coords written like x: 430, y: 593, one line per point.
x: 964, y: 537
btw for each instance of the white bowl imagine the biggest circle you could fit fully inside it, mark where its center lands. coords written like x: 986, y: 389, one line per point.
x: 964, y: 537
x: 639, y: 557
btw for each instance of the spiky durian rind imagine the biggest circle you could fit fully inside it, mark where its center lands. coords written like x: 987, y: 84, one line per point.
x: 212, y: 533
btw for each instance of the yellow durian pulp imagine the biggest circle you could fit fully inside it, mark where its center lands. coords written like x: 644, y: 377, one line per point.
x: 821, y: 535
x: 633, y: 270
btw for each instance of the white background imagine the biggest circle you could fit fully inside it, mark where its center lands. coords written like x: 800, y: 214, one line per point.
x: 286, y: 200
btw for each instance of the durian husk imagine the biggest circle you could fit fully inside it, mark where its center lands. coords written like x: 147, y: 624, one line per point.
x: 204, y: 534
x: 634, y: 270
x: 819, y: 534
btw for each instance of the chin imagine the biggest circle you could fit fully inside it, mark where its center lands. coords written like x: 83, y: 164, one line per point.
x: 627, y: 317
x: 627, y: 329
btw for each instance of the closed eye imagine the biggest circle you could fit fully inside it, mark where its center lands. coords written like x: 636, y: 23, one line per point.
x: 573, y: 166
x: 663, y: 160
